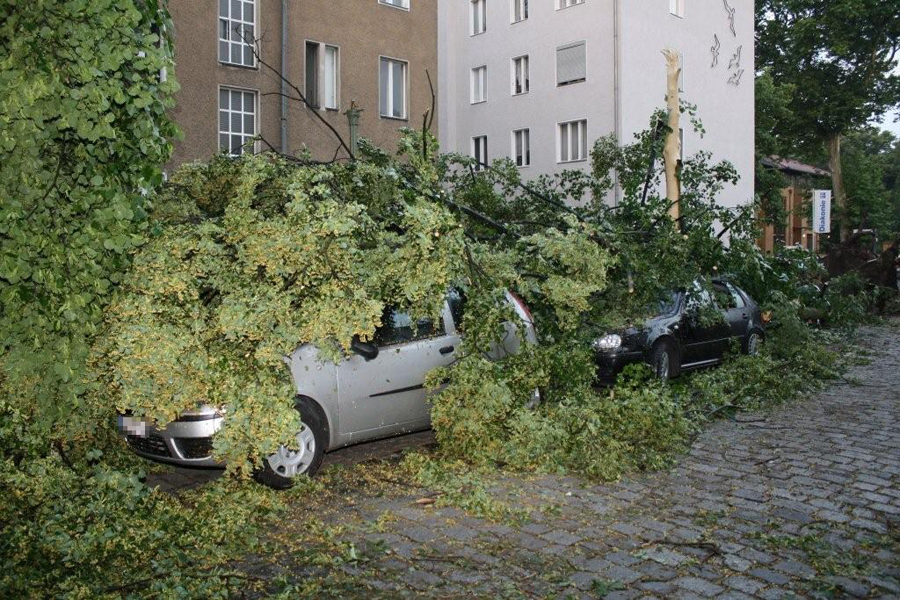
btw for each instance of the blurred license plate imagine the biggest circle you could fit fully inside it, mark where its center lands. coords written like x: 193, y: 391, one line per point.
x: 132, y: 426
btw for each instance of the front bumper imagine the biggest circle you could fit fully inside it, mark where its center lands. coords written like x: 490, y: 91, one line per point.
x: 610, y: 364
x: 185, y: 442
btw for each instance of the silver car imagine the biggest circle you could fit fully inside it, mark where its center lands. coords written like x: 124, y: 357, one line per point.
x: 376, y: 392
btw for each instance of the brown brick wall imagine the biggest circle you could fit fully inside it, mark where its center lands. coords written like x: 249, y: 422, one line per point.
x: 362, y: 29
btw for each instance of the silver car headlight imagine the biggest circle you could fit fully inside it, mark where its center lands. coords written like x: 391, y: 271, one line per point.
x: 608, y: 342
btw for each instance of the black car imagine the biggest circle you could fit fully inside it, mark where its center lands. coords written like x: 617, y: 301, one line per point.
x: 686, y: 334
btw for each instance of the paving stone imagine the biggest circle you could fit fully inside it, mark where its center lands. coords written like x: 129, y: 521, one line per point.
x: 561, y: 537
x: 744, y: 584
x: 835, y: 473
x: 770, y: 576
x: 698, y: 586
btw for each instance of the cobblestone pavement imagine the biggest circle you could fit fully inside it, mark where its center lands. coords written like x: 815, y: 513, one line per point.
x: 800, y: 501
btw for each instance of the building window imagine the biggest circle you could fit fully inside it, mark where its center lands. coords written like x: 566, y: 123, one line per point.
x: 393, y: 88
x: 479, y: 85
x: 521, y: 80
x: 519, y: 10
x: 237, y: 119
x: 479, y: 16
x: 573, y: 141
x: 237, y: 22
x: 567, y: 3
x: 676, y: 7
x: 322, y: 75
x: 480, y: 151
x: 571, y: 64
x: 404, y: 4
x: 522, y: 147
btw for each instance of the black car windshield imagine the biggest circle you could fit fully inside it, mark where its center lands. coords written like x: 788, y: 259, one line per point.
x: 666, y: 305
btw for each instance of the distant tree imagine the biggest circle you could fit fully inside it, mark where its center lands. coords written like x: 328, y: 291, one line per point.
x: 839, y: 56
x: 871, y: 164
x: 773, y: 101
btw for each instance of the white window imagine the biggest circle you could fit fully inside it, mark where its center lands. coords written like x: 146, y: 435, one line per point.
x: 568, y: 3
x: 522, y: 147
x: 571, y: 64
x: 521, y: 82
x: 519, y: 10
x: 676, y: 7
x: 479, y: 85
x: 480, y: 151
x: 393, y: 88
x: 479, y: 16
x: 573, y: 141
x: 237, y: 22
x: 404, y: 4
x: 322, y: 75
x: 237, y: 119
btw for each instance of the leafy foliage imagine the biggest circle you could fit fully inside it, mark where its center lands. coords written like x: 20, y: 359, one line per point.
x: 83, y: 128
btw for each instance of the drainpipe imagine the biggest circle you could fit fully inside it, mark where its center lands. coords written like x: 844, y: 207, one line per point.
x: 284, y: 91
x: 353, y: 120
x: 617, y: 101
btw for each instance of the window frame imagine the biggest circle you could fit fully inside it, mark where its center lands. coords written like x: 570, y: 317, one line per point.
x: 256, y: 28
x: 472, y: 5
x: 390, y: 88
x: 564, y: 4
x: 229, y: 133
x: 526, y: 147
x: 404, y: 7
x: 522, y: 6
x: 583, y: 146
x: 480, y: 164
x: 676, y: 8
x: 514, y: 74
x: 556, y: 62
x: 484, y: 85
x: 320, y: 65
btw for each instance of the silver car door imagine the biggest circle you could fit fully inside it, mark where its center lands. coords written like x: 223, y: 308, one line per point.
x: 386, y: 394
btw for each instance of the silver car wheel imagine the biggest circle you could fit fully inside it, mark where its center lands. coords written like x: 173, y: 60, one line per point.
x: 753, y: 344
x: 291, y: 463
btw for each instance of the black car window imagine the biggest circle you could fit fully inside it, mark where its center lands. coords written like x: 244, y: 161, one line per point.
x: 398, y: 327
x: 724, y: 297
x: 668, y: 304
x: 739, y: 301
x: 698, y: 299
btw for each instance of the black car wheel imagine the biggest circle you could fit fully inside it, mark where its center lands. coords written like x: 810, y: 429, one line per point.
x: 664, y: 360
x: 753, y: 342
x: 282, y: 469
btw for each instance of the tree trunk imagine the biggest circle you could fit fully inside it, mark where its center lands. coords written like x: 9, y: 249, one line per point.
x: 837, y: 184
x: 672, y: 151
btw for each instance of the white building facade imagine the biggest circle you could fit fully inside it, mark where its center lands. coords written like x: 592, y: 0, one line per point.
x: 539, y: 81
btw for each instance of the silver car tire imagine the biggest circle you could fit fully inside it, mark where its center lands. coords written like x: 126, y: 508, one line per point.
x: 281, y: 469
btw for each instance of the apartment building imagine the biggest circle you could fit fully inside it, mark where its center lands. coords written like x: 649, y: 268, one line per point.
x: 539, y: 81
x: 372, y: 53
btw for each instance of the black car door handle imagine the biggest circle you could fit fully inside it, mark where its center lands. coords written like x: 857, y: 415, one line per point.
x: 447, y: 349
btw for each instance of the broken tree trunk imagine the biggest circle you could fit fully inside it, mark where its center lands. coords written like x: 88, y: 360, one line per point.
x: 672, y: 151
x: 837, y: 183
